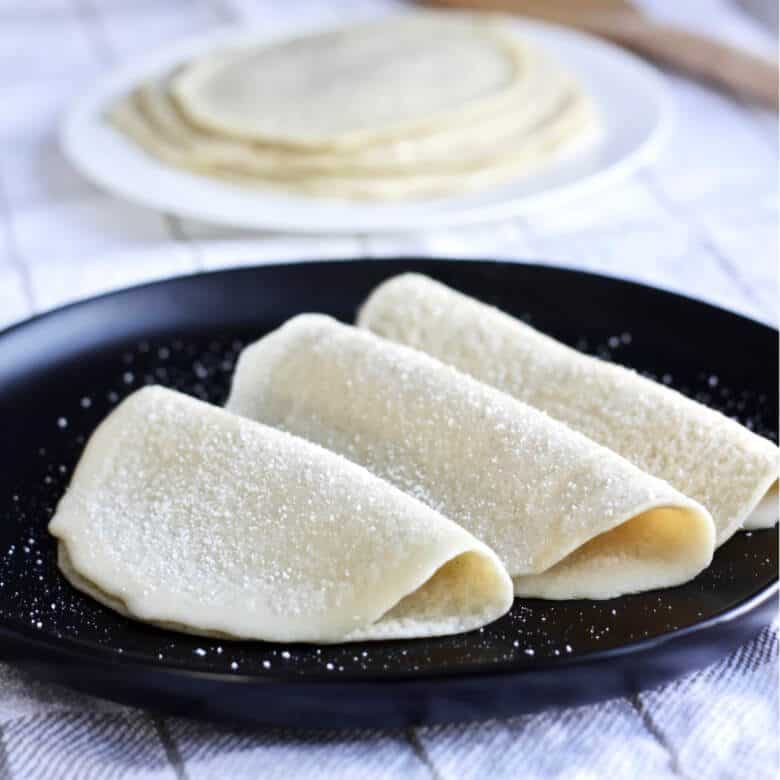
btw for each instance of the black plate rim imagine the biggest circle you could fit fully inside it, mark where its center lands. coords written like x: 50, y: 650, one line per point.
x: 65, y: 649
x: 68, y: 649
x: 394, y: 259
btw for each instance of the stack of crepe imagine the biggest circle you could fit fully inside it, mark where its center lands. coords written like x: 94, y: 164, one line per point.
x: 418, y: 105
x: 403, y: 478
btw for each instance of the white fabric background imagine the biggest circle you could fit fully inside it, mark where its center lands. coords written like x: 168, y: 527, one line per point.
x: 701, y: 220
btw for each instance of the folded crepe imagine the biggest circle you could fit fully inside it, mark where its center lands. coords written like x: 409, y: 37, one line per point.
x: 183, y: 515
x: 704, y: 454
x: 567, y: 517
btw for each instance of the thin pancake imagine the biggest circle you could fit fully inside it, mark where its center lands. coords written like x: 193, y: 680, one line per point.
x: 704, y: 454
x: 513, y: 157
x: 567, y: 517
x: 183, y: 515
x: 355, y: 85
x: 451, y: 148
x: 415, y: 106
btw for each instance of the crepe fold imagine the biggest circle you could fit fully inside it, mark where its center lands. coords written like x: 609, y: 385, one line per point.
x: 704, y: 454
x: 415, y: 105
x: 567, y: 517
x: 183, y: 515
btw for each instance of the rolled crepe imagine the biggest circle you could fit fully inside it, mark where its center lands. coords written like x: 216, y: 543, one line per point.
x: 567, y: 517
x: 704, y: 454
x: 183, y: 515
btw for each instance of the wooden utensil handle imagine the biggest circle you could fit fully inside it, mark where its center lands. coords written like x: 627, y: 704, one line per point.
x: 746, y: 75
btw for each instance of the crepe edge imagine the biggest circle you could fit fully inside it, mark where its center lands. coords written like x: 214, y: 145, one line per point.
x: 385, y: 627
x: 569, y: 578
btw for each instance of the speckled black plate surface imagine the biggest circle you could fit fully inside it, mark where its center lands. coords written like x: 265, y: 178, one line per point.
x: 61, y: 373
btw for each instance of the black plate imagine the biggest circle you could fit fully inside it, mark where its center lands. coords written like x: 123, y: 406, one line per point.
x: 61, y: 373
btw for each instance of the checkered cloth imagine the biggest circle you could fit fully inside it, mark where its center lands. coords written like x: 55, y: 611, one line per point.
x: 701, y: 220
x: 717, y: 723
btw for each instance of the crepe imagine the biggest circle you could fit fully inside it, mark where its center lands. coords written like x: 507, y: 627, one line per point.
x: 550, y: 101
x: 183, y: 515
x: 418, y: 105
x: 568, y: 518
x: 356, y: 85
x: 508, y: 157
x: 704, y: 454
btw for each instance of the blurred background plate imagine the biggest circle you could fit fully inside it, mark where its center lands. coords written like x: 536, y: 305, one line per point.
x: 630, y: 96
x: 61, y: 373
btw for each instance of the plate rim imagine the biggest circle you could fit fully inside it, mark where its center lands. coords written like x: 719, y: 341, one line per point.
x: 73, y: 650
x: 20, y: 636
x: 83, y: 111
x: 400, y: 259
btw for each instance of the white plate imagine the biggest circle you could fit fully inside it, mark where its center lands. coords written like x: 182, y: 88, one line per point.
x: 630, y: 96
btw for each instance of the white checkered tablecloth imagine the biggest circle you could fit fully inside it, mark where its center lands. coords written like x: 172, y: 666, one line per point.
x: 701, y: 220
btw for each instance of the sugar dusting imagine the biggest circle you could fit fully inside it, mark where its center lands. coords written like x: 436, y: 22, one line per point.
x: 703, y: 455
x: 424, y: 427
x: 33, y: 593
